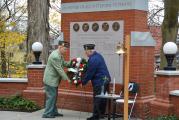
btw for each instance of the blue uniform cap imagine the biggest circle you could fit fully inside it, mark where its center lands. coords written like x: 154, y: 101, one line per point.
x: 89, y: 46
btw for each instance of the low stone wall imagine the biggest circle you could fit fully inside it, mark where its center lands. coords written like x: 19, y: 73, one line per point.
x: 174, y: 97
x: 12, y: 86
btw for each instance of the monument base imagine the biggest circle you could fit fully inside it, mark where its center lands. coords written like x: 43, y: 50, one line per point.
x: 161, y: 108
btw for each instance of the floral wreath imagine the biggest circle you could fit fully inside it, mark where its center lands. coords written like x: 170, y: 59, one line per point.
x: 77, y: 70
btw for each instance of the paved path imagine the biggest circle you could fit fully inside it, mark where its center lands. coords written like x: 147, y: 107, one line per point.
x: 68, y: 115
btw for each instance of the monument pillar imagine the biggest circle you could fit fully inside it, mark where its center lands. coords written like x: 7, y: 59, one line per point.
x: 166, y: 86
x: 35, y: 89
x: 133, y: 14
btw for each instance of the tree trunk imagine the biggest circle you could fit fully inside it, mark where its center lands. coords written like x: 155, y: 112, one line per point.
x: 3, y: 64
x: 38, y: 26
x: 170, y: 25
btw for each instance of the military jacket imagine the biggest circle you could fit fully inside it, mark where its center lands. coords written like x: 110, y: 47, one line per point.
x: 96, y: 70
x: 54, y: 71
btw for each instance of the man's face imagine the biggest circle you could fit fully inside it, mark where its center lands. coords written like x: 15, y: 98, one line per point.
x: 88, y: 52
x: 62, y: 49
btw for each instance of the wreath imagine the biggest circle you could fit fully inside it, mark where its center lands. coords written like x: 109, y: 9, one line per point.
x: 77, y: 70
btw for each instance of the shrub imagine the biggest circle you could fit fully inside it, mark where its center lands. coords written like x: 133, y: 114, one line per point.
x: 17, y: 103
x: 171, y: 117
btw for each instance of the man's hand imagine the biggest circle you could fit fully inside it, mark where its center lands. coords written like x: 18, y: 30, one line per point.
x: 79, y: 82
x: 69, y: 81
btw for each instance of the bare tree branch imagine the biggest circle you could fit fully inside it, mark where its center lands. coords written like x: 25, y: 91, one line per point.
x: 54, y: 31
x: 7, y: 3
x: 155, y: 14
x: 22, y: 12
x: 20, y: 16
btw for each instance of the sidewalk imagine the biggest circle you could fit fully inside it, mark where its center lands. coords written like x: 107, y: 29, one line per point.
x: 68, y: 115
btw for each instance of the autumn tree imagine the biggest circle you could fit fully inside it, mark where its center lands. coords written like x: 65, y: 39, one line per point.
x: 8, y: 36
x: 55, y: 18
x: 7, y: 39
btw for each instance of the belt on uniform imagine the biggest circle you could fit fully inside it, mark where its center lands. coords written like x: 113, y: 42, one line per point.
x: 105, y: 78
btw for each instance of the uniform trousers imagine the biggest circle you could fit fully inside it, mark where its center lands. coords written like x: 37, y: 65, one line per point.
x: 51, y: 99
x: 99, y: 104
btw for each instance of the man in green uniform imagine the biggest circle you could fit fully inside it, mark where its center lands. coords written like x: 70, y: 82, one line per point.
x: 53, y: 75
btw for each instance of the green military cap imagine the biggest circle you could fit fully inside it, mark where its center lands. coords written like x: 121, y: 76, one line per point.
x: 64, y: 43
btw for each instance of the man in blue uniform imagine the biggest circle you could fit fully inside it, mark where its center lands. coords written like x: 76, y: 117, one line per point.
x: 98, y: 73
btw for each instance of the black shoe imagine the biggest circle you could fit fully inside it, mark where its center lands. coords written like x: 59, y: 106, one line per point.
x: 58, y: 115
x: 93, y: 118
x: 102, y: 117
x: 48, y: 116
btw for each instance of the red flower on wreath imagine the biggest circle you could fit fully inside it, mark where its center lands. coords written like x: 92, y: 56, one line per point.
x: 73, y: 62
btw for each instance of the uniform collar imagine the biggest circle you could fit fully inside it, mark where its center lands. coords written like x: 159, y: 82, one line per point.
x: 94, y: 53
x: 59, y: 53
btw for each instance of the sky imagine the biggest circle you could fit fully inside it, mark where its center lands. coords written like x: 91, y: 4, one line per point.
x: 154, y: 5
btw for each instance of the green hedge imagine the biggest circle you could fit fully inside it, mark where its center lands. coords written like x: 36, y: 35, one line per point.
x: 17, y: 103
x: 171, y: 117
x: 168, y: 118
